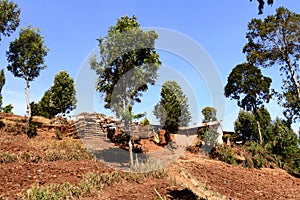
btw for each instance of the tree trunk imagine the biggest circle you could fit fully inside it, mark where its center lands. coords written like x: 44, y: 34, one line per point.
x: 259, y: 132
x: 130, y: 152
x: 294, y: 77
x: 27, y: 97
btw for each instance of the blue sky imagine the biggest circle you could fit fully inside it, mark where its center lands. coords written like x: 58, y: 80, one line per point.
x: 70, y: 29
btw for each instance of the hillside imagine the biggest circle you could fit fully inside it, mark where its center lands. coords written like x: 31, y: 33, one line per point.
x: 33, y: 168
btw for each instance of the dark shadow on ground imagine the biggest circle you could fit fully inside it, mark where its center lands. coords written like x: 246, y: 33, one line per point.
x: 117, y: 155
x: 296, y: 175
x: 183, y: 195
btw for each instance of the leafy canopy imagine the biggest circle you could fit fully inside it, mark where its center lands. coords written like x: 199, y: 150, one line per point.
x: 209, y: 114
x: 9, y: 17
x: 60, y: 98
x: 248, y: 86
x: 173, y: 107
x: 63, y: 93
x: 128, y: 64
x: 246, y: 126
x: 275, y: 41
x: 26, y: 54
x: 26, y: 57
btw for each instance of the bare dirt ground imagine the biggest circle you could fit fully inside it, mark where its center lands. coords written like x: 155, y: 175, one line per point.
x: 237, y: 182
x: 187, y: 177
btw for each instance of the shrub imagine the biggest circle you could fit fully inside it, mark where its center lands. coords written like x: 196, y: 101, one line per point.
x: 31, y: 130
x: 6, y: 157
x: 145, y: 122
x: 67, y: 151
x: 223, y: 153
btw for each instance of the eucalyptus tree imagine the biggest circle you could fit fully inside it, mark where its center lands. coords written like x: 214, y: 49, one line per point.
x: 26, y: 57
x: 275, y: 42
x: 127, y: 65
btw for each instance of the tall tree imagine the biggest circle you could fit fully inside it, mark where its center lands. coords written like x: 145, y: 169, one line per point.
x: 209, y: 114
x: 173, y: 107
x: 275, y: 41
x: 9, y: 17
x: 26, y: 57
x: 128, y: 64
x: 63, y: 93
x: 249, y: 87
x: 2, y: 82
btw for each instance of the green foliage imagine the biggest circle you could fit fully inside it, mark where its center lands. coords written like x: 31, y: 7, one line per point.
x: 245, y: 126
x: 63, y: 94
x: 60, y: 98
x: 31, y: 130
x: 6, y: 157
x: 8, y: 109
x: 224, y: 154
x: 91, y: 185
x: 173, y: 108
x: 260, y: 156
x: 9, y: 17
x: 275, y: 41
x: 45, y: 107
x: 248, y: 86
x: 26, y: 57
x: 264, y: 118
x: 2, y: 82
x: 285, y: 144
x: 249, y: 155
x: 145, y: 122
x: 128, y: 64
x: 209, y: 114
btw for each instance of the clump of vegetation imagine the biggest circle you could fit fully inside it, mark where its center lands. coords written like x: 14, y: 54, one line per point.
x: 31, y: 130
x: 6, y: 157
x: 59, y: 99
x: 224, y: 153
x: 8, y: 109
x: 66, y: 150
x: 145, y: 122
x: 92, y: 184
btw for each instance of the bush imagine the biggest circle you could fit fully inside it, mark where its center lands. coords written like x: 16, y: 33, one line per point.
x: 31, y: 130
x: 6, y: 157
x: 224, y: 154
x: 8, y: 109
x: 145, y: 122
